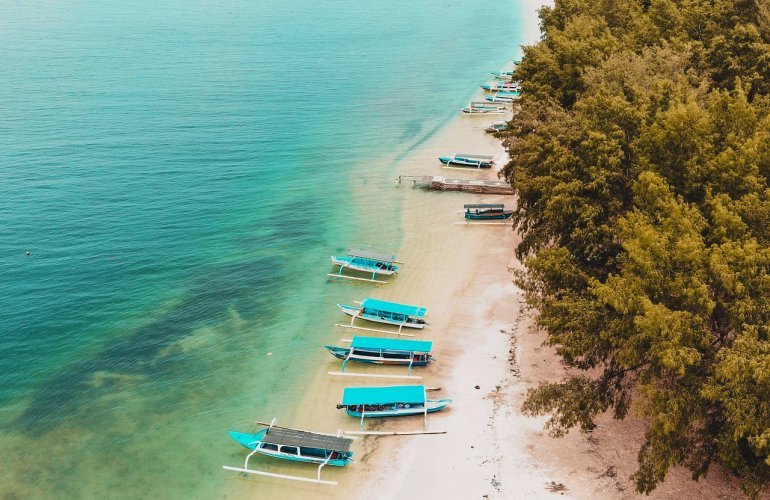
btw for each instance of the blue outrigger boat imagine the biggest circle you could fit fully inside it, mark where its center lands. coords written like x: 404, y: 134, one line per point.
x: 499, y: 99
x: 497, y: 127
x: 383, y: 351
x: 365, y: 261
x: 487, y: 211
x: 503, y: 75
x: 484, y: 108
x: 389, y: 313
x: 294, y: 445
x: 393, y: 401
x: 502, y: 87
x: 467, y: 160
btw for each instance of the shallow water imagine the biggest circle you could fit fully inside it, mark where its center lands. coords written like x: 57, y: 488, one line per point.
x: 180, y: 173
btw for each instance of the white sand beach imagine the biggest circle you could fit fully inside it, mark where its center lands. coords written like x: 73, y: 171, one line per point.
x: 489, y: 353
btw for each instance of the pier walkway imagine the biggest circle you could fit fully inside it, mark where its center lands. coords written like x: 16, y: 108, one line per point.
x: 441, y: 183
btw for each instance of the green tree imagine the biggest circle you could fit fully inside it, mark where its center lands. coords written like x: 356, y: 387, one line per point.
x: 641, y: 158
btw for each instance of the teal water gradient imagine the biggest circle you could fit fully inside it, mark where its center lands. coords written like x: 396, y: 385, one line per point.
x: 181, y: 172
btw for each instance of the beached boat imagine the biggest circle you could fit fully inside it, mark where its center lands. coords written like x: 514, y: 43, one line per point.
x: 295, y: 445
x: 503, y: 75
x: 501, y: 98
x: 497, y: 127
x: 365, y: 261
x: 389, y: 313
x: 484, y: 108
x: 393, y: 401
x: 487, y: 211
x: 467, y: 160
x: 502, y: 87
x: 382, y: 351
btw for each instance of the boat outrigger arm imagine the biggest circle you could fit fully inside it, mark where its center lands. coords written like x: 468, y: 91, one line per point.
x: 408, y: 368
x: 245, y: 469
x: 400, y: 326
x: 377, y: 330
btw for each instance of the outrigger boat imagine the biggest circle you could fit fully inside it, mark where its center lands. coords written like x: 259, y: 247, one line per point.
x: 503, y: 75
x: 467, y: 160
x: 394, y: 401
x: 365, y: 261
x: 484, y: 108
x: 501, y: 98
x: 389, y: 313
x: 497, y: 127
x: 497, y: 87
x: 382, y: 351
x: 487, y: 211
x: 294, y: 445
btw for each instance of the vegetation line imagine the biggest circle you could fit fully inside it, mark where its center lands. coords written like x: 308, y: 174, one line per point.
x: 641, y: 157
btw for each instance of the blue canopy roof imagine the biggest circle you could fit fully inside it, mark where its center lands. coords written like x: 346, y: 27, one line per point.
x: 394, y: 307
x: 391, y: 344
x: 383, y: 395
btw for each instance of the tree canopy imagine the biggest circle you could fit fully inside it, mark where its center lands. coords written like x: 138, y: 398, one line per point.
x: 641, y: 157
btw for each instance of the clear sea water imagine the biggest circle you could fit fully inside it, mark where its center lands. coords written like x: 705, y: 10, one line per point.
x: 180, y: 172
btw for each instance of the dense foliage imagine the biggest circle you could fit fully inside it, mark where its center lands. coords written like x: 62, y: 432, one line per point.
x: 641, y: 159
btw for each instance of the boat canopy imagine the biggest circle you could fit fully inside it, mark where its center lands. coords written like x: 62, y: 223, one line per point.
x: 414, y: 394
x: 473, y: 206
x: 394, y: 307
x: 305, y: 439
x: 391, y: 344
x: 365, y: 254
x: 472, y: 156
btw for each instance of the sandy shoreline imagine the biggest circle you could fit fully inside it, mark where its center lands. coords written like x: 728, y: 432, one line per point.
x: 461, y: 275
x: 484, y: 336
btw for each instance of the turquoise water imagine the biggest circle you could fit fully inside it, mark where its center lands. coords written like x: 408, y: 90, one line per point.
x: 180, y: 172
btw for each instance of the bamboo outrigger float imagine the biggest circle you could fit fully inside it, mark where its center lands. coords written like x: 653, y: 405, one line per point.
x: 394, y: 401
x: 297, y: 446
x: 389, y: 313
x: 364, y: 261
x: 383, y: 351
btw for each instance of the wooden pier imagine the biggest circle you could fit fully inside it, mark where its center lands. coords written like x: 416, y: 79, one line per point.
x: 440, y: 183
